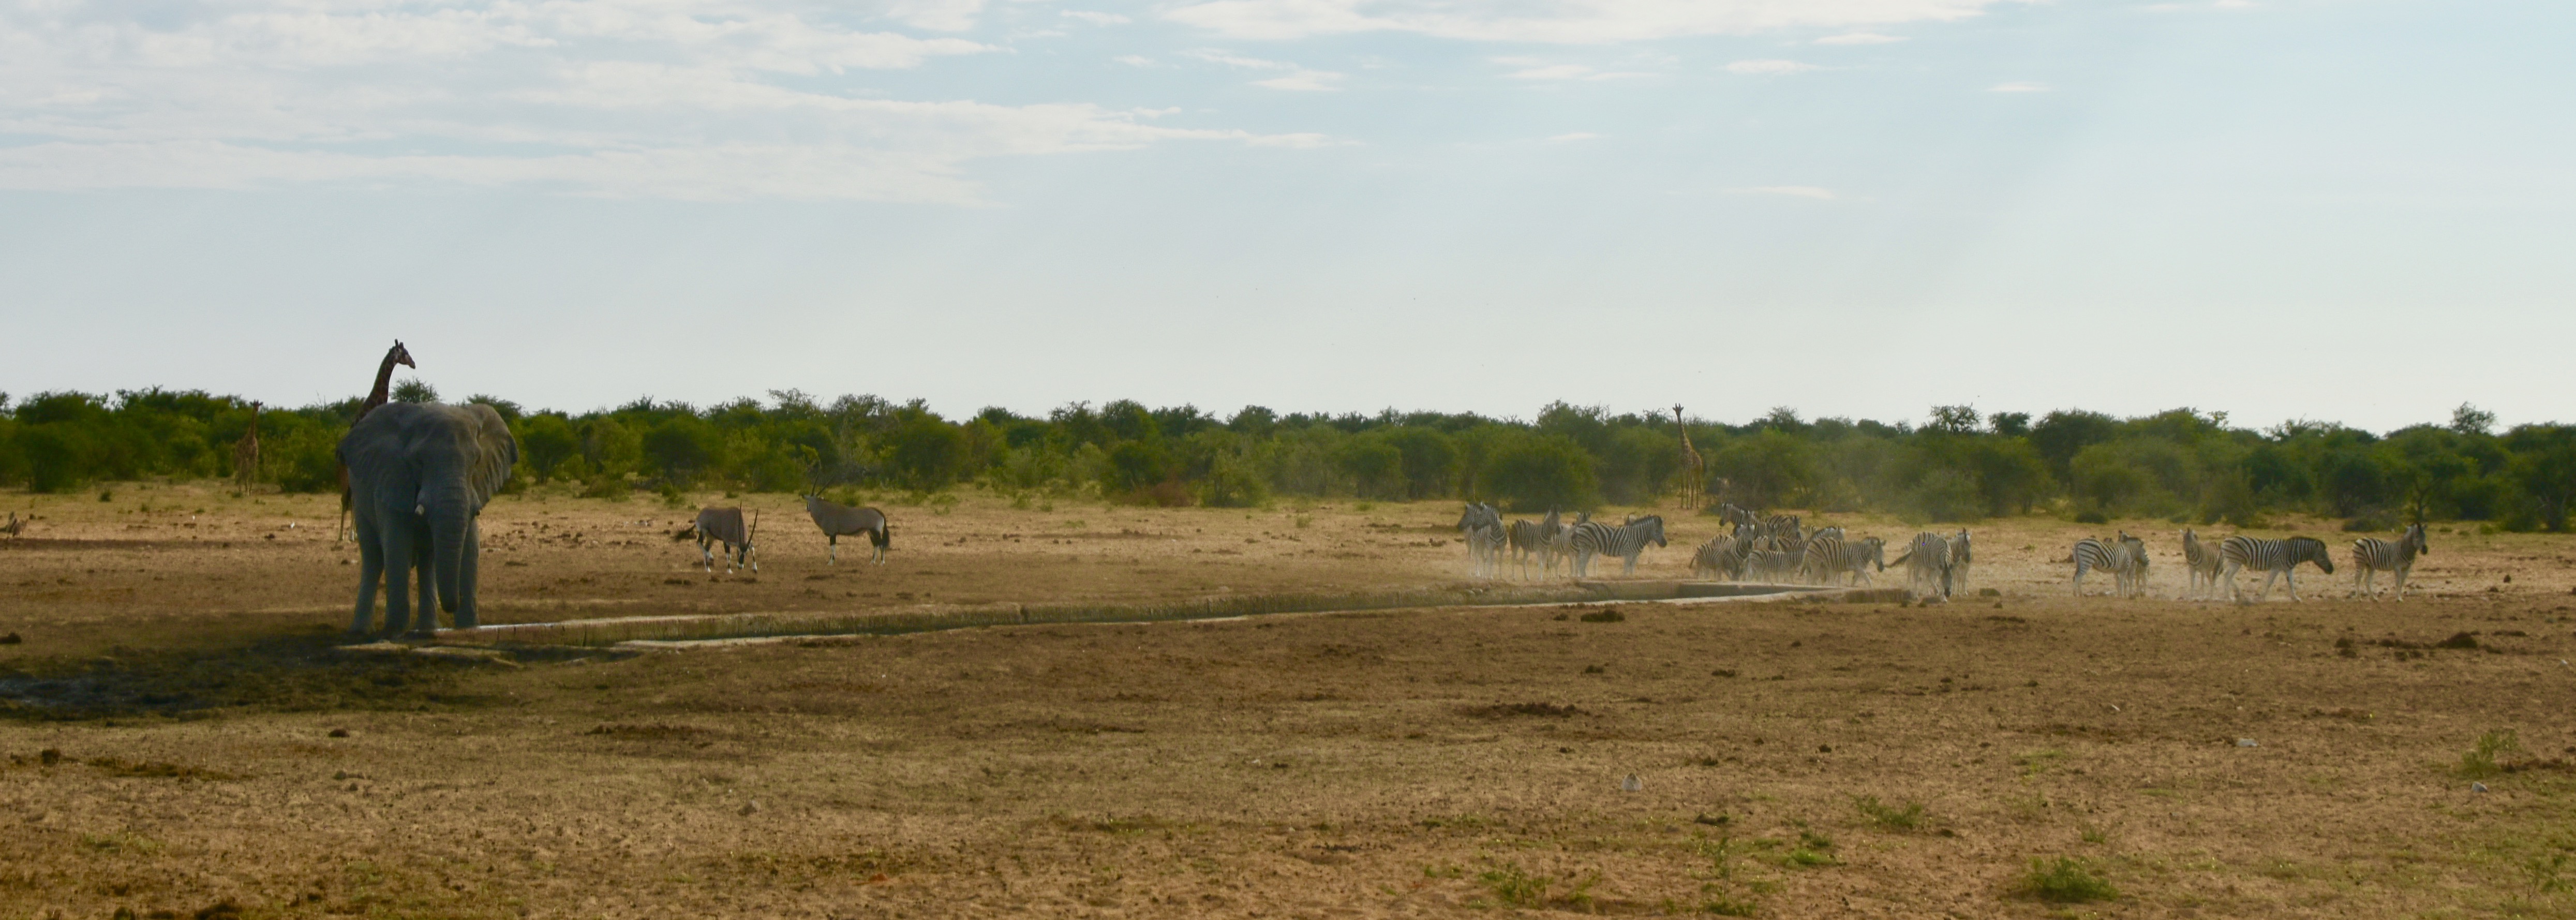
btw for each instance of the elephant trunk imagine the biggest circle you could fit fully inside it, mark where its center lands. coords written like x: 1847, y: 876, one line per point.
x: 450, y: 516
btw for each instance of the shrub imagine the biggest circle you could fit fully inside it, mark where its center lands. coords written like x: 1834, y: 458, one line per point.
x: 2481, y: 760
x: 1943, y: 496
x: 2067, y: 880
x: 1233, y: 483
x: 2091, y: 517
x: 2372, y: 520
x: 1538, y: 474
x: 611, y: 486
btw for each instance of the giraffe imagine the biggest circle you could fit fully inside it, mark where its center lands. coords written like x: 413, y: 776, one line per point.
x: 1694, y: 469
x: 246, y: 453
x: 375, y: 397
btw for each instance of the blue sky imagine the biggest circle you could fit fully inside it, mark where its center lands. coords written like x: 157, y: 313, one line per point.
x: 2355, y: 211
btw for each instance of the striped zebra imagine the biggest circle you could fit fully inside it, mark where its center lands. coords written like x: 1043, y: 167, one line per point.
x: 1482, y: 527
x: 2201, y: 563
x: 1830, y: 557
x: 1736, y: 517
x: 1529, y: 538
x: 1927, y: 561
x: 2371, y: 556
x: 1560, y: 545
x: 1782, y: 526
x: 2125, y: 557
x: 1722, y: 556
x: 1961, y: 556
x: 1626, y: 541
x: 1772, y: 566
x: 2273, y: 558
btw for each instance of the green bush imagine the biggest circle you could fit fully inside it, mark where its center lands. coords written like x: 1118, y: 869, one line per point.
x: 1537, y: 474
x: 2484, y: 759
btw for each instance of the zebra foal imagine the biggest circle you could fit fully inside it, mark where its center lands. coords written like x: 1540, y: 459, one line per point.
x: 1482, y: 527
x: 2201, y: 564
x: 2274, y: 558
x: 1530, y: 538
x: 2371, y: 556
x: 837, y: 521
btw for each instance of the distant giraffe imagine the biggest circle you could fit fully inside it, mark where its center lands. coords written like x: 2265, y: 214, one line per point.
x: 246, y: 453
x: 1694, y: 469
x: 375, y: 397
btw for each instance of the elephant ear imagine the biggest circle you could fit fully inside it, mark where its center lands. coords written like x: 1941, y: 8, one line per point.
x: 492, y: 452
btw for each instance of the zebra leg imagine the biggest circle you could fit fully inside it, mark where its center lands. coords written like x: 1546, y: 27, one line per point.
x: 2232, y: 593
x: 2290, y: 580
x: 2399, y: 577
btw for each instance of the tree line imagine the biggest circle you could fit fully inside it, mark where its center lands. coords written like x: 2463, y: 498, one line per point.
x: 1955, y: 465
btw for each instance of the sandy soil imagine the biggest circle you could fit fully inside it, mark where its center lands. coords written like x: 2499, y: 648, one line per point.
x: 210, y: 746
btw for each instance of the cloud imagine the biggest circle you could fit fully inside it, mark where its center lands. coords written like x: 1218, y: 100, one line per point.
x: 2018, y: 86
x: 1766, y: 68
x: 1095, y: 17
x: 1557, y: 21
x: 680, y: 99
x: 1537, y: 69
x: 940, y: 15
x: 1859, y: 38
x: 1298, y: 78
x: 1792, y: 191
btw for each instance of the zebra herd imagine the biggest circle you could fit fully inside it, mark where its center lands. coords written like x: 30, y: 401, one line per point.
x: 1779, y: 548
x: 2125, y: 558
x: 1550, y: 540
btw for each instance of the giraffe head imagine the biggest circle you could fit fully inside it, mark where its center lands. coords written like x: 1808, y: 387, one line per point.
x: 401, y: 355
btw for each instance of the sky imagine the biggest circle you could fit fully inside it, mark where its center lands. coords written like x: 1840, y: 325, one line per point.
x: 2345, y: 210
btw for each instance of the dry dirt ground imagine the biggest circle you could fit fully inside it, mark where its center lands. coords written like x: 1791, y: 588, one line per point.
x: 183, y: 739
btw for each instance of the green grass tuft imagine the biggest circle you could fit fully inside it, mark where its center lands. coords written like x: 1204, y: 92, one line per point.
x: 1908, y: 818
x: 2481, y: 759
x: 2066, y: 880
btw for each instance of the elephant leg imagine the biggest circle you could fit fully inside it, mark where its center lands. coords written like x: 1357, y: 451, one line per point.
x: 424, y: 621
x: 400, y: 555
x: 371, y: 569
x: 465, y: 574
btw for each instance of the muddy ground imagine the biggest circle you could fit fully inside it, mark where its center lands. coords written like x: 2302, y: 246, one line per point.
x: 183, y: 733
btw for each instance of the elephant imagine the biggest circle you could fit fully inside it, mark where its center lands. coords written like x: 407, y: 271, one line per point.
x: 419, y: 475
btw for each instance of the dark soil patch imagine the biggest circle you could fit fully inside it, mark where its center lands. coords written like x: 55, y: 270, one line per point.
x: 292, y: 674
x: 1508, y: 710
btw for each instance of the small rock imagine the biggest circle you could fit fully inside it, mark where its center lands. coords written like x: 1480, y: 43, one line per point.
x: 2477, y: 787
x: 49, y: 756
x: 340, y: 776
x: 339, y: 733
x: 751, y: 807
x: 11, y: 639
x: 2246, y: 742
x: 1631, y: 784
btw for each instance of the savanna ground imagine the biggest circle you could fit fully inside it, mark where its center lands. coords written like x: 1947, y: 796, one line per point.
x: 183, y: 738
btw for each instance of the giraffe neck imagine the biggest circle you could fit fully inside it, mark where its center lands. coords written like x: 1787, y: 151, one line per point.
x: 384, y: 386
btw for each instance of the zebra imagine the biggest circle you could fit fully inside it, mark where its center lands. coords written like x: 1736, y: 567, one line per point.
x: 2124, y: 557
x: 1482, y: 525
x: 1627, y: 541
x: 1736, y: 517
x: 1927, y: 560
x: 1722, y: 555
x: 1828, y: 558
x: 1772, y: 565
x: 1783, y: 526
x: 1560, y: 545
x: 16, y: 524
x: 2201, y: 563
x: 724, y: 525
x: 1960, y: 557
x: 1529, y: 538
x: 2371, y: 556
x: 2274, y: 558
x: 837, y: 520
